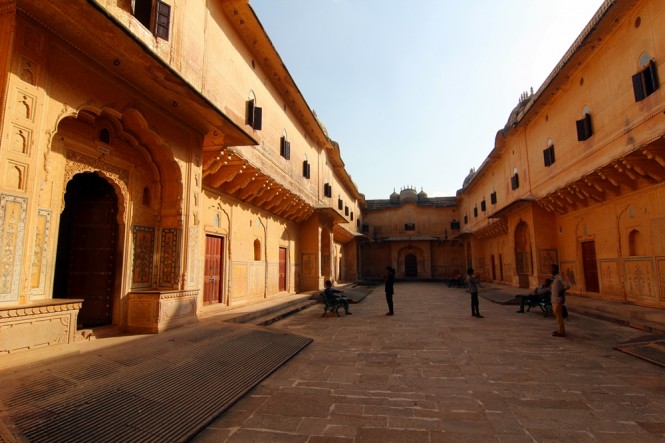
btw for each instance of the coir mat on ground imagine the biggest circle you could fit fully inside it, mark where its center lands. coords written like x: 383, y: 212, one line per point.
x: 650, y: 348
x: 161, y: 388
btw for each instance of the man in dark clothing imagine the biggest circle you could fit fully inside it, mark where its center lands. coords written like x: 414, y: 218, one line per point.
x: 330, y: 294
x: 390, y: 280
x: 473, y: 281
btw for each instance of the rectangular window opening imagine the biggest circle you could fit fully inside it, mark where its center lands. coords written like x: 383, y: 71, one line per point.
x: 645, y: 82
x: 584, y: 130
x: 285, y: 148
x: 548, y: 155
x: 253, y: 115
x: 515, y: 182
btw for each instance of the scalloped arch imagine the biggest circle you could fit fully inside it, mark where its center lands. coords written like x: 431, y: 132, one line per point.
x: 131, y: 126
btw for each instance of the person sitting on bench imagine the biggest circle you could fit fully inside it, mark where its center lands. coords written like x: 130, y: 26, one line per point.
x: 537, y: 295
x: 456, y: 280
x: 331, y: 294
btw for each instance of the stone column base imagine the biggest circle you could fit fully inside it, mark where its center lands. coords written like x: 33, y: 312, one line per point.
x: 154, y: 311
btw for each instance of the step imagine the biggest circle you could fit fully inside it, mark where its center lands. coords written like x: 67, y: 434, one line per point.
x: 278, y: 315
x: 620, y: 317
x: 248, y: 313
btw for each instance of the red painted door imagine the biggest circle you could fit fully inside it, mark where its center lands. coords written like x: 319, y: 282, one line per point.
x: 212, y: 277
x: 282, y: 269
x: 590, y: 266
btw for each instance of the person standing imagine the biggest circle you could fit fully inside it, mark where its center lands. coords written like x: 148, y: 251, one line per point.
x: 472, y: 281
x: 390, y: 280
x: 559, y: 287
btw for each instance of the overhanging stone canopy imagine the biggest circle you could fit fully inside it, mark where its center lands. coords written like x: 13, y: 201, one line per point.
x: 640, y: 168
x: 228, y: 172
x: 493, y: 230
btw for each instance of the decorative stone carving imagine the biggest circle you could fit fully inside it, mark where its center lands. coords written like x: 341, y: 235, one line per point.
x: 192, y: 257
x: 155, y: 311
x: 639, y: 279
x: 12, y: 235
x: 609, y: 276
x: 38, y: 325
x: 25, y: 106
x: 169, y: 258
x: 40, y: 253
x: 78, y: 163
x: 21, y: 140
x: 15, y: 175
x: 28, y: 71
x: 144, y: 248
x: 308, y: 265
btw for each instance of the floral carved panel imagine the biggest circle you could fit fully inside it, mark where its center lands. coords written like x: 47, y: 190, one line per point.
x: 144, y: 247
x: 12, y: 236
x: 639, y: 279
x: 609, y: 276
x: 40, y: 253
x: 168, y: 276
x: 193, y: 257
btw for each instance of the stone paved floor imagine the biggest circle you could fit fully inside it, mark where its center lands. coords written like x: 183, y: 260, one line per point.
x: 433, y: 373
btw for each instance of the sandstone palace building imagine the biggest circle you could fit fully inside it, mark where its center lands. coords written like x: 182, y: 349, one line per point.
x: 158, y: 164
x: 157, y: 161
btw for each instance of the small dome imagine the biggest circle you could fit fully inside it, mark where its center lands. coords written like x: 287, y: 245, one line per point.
x: 422, y: 195
x: 408, y: 194
x: 469, y: 177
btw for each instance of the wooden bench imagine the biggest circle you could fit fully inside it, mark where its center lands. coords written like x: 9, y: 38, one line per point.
x: 457, y: 282
x: 330, y: 305
x: 544, y: 303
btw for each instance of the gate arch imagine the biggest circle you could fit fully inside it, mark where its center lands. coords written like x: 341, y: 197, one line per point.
x: 87, y: 248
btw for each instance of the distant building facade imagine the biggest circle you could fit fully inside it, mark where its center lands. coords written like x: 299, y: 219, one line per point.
x: 413, y: 233
x: 158, y: 165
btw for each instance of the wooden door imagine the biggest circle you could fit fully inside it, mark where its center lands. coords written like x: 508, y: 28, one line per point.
x: 590, y: 265
x: 212, y: 276
x: 282, y: 269
x: 501, y: 267
x: 410, y: 266
x: 86, y: 258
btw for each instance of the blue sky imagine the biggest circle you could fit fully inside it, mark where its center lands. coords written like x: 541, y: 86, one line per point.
x: 415, y: 92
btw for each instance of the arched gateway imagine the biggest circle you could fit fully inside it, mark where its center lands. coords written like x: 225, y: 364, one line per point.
x: 87, y: 239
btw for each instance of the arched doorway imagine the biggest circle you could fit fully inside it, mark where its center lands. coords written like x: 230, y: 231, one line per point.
x: 410, y: 265
x: 87, y: 239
